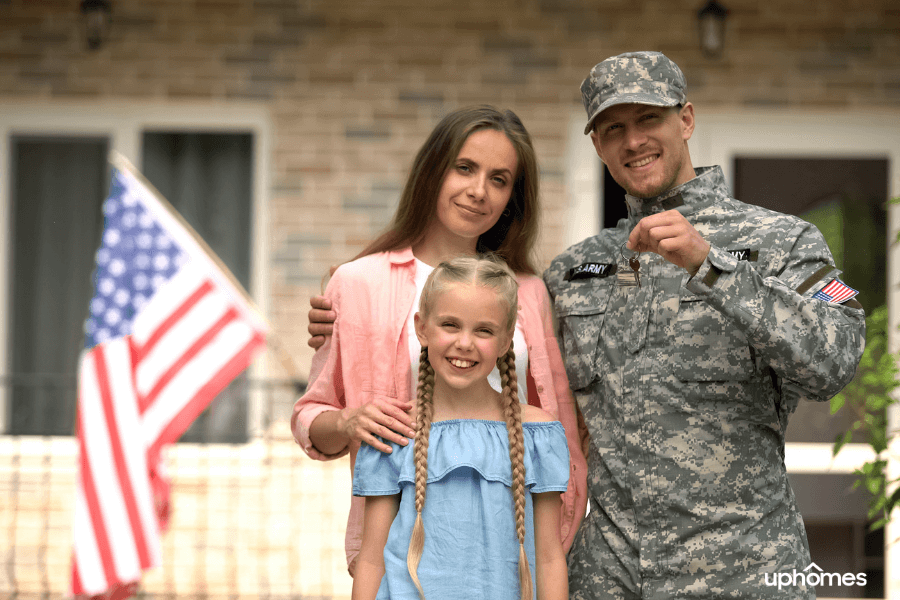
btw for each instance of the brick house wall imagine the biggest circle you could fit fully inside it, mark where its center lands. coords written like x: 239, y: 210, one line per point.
x: 353, y: 88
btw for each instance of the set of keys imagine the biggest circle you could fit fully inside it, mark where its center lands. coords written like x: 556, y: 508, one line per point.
x: 625, y: 278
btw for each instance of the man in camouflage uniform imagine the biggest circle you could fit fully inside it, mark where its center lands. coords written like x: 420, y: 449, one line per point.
x: 686, y: 381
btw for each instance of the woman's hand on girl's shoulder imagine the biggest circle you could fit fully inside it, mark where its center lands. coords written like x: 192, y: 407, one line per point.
x: 533, y: 414
x: 387, y: 418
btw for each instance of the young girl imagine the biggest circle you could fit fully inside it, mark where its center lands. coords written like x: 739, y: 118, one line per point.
x: 471, y: 508
x: 472, y: 187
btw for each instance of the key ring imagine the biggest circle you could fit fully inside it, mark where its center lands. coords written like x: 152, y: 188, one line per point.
x: 632, y: 279
x: 628, y: 259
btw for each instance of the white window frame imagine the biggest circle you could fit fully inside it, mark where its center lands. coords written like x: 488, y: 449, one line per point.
x: 720, y: 136
x: 123, y: 124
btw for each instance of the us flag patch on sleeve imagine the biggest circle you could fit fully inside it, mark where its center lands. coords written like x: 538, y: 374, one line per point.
x: 836, y: 291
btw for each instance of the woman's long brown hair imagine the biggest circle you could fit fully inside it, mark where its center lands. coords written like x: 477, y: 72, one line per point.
x: 512, y: 238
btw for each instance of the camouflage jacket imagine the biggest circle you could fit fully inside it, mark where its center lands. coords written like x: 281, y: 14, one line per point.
x: 686, y: 385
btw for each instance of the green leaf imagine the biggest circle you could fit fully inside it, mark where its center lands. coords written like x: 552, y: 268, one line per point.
x: 866, y: 399
x: 878, y: 441
x: 872, y: 486
x: 840, y: 441
x: 837, y: 403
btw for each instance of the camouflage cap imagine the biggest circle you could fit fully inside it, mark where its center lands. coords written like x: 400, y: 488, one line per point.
x: 632, y: 78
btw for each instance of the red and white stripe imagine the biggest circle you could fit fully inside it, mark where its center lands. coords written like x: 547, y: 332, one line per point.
x: 191, y: 339
x: 838, y: 291
x: 116, y: 530
x: 137, y: 394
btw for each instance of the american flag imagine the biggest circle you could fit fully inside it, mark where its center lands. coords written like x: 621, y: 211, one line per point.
x: 836, y: 291
x: 168, y: 330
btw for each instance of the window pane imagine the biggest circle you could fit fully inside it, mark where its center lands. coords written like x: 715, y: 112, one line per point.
x: 58, y: 186
x: 207, y: 177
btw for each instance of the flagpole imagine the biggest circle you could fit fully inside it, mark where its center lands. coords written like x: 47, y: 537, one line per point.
x: 287, y: 362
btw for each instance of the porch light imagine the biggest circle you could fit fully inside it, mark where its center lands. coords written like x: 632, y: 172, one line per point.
x: 711, y: 19
x: 96, y: 21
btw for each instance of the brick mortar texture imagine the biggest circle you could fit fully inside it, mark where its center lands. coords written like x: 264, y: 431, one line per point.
x: 354, y: 87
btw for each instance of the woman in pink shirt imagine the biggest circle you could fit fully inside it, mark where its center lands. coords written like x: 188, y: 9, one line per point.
x: 473, y: 187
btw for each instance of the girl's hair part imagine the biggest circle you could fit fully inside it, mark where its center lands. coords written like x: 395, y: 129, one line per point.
x: 488, y: 271
x: 513, y: 236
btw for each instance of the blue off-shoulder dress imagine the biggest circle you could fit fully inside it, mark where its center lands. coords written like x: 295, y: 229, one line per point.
x: 471, y: 550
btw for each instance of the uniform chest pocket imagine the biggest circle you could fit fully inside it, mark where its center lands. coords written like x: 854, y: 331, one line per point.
x: 707, y: 345
x: 581, y: 309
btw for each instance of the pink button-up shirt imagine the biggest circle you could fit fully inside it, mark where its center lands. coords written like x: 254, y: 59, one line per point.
x: 367, y: 358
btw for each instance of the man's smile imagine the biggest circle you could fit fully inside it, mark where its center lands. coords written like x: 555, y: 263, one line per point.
x: 642, y: 162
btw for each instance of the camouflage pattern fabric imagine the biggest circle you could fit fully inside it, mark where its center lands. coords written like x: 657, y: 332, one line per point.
x: 686, y: 385
x: 632, y: 78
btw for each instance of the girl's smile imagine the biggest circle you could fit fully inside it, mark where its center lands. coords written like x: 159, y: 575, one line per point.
x: 465, y: 332
x: 462, y: 364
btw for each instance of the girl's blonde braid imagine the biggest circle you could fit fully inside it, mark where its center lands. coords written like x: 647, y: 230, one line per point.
x: 513, y: 415
x: 424, y: 412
